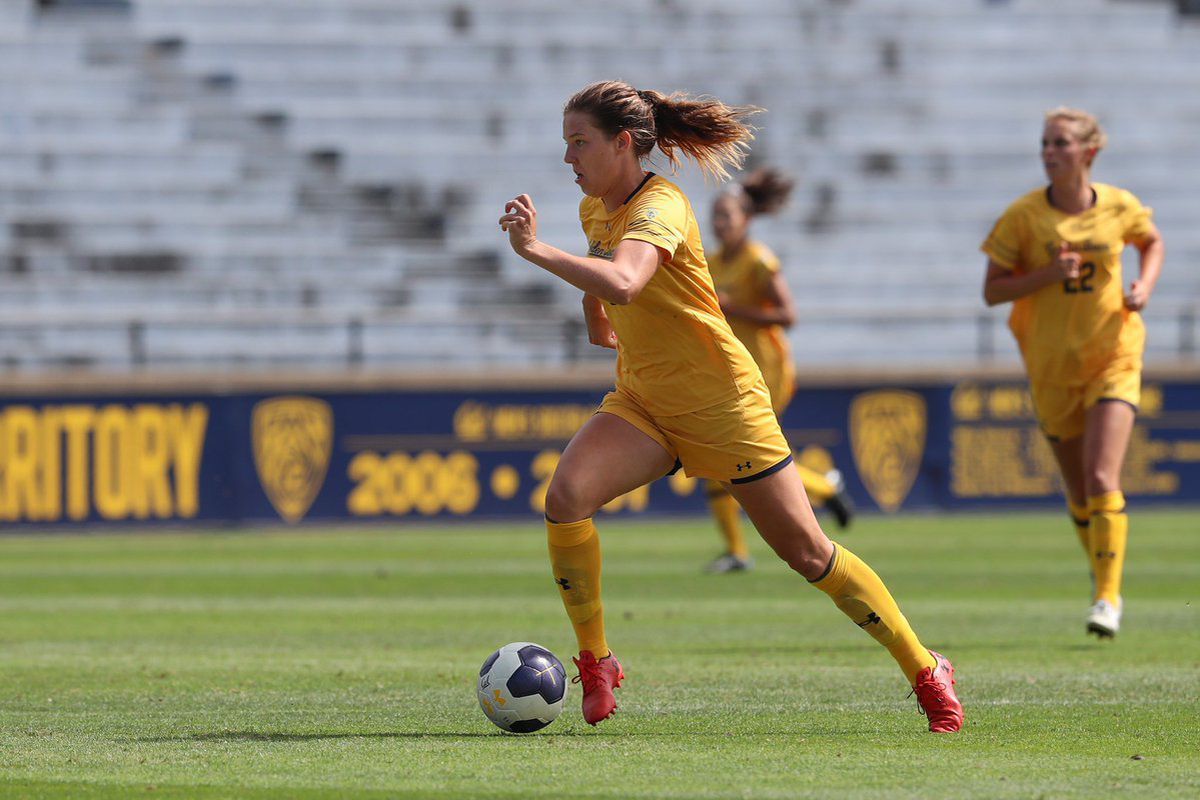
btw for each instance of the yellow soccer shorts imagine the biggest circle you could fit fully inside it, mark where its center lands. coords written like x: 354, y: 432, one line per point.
x: 735, y: 441
x: 1062, y: 407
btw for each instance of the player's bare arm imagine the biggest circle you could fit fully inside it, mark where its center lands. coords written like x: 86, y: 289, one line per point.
x: 1151, y: 252
x: 618, y: 281
x: 599, y: 328
x: 781, y: 309
x: 1002, y: 285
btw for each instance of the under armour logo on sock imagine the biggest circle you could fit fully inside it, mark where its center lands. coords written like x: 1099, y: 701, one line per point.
x: 563, y: 584
x: 871, y: 618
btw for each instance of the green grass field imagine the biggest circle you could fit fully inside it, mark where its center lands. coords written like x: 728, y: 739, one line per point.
x: 341, y: 663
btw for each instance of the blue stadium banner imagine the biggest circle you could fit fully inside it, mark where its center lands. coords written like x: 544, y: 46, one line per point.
x: 424, y: 454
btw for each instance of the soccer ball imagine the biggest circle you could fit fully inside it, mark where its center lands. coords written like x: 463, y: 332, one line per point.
x: 522, y: 687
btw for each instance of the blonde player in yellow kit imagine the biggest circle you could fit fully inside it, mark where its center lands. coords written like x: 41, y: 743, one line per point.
x: 758, y: 305
x: 1056, y: 254
x: 686, y: 391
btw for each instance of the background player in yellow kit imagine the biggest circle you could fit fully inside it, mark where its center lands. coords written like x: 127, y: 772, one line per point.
x: 756, y: 301
x: 1056, y: 254
x: 686, y: 391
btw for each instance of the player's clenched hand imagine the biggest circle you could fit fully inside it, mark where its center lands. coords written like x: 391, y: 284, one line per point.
x: 520, y: 221
x: 1137, y: 297
x: 1066, y: 262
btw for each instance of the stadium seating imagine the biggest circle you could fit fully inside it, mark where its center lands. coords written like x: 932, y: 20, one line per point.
x: 316, y: 182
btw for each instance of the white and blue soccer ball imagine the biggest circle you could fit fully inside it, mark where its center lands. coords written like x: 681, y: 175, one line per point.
x: 522, y: 687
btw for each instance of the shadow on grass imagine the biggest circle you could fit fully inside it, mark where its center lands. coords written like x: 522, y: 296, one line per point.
x: 259, y: 736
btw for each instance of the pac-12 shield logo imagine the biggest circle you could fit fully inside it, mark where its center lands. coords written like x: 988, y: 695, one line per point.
x: 293, y: 440
x: 887, y: 435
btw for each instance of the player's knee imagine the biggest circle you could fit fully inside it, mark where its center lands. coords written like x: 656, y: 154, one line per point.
x: 808, y: 561
x: 1101, y: 480
x: 810, y: 565
x: 566, y: 501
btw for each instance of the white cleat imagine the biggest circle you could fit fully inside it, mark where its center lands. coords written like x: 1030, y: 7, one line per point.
x: 1104, y: 619
x: 727, y: 563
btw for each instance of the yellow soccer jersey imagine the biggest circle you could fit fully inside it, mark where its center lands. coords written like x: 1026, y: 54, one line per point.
x: 745, y: 277
x: 675, y: 351
x: 1069, y: 331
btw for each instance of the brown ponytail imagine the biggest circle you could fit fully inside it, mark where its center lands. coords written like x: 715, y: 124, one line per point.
x: 765, y: 190
x: 711, y: 133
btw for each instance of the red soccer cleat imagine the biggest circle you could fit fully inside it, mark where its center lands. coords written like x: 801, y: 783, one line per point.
x: 935, y: 695
x: 599, y: 678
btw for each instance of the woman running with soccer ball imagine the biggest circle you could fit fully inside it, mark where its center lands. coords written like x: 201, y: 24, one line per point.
x: 687, y: 391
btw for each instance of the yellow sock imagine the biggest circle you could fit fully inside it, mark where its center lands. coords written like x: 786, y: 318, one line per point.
x: 1109, y: 533
x: 1080, y: 516
x: 728, y: 514
x: 575, y: 559
x: 816, y: 485
x: 861, y: 595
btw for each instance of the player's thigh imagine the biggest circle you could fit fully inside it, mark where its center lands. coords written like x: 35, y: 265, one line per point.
x: 606, y: 458
x: 779, y: 509
x: 1105, y: 443
x: 1059, y: 408
x: 1069, y: 455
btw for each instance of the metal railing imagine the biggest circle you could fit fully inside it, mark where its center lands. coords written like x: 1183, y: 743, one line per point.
x: 142, y: 339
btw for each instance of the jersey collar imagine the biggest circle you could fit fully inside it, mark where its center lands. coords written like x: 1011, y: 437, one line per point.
x: 645, y: 180
x: 1049, y: 201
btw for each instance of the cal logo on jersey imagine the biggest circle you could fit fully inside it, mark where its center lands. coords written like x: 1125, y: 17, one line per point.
x: 292, y: 442
x: 595, y: 248
x: 887, y: 435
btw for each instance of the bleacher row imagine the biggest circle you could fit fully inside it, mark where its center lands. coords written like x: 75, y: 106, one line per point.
x: 316, y: 182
